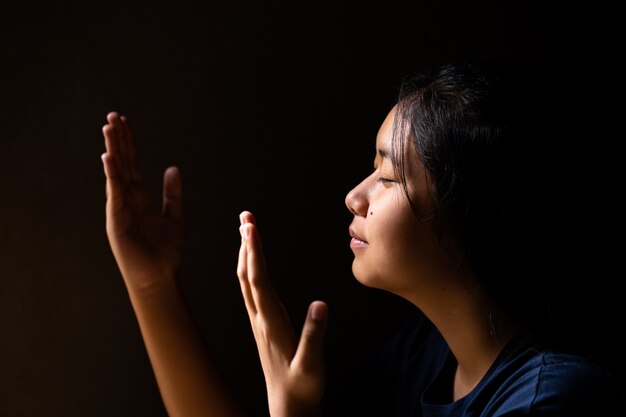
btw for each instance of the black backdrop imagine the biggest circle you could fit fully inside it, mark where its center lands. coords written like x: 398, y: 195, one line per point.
x: 270, y: 106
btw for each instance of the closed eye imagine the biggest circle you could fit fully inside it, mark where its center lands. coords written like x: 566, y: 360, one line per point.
x: 381, y: 179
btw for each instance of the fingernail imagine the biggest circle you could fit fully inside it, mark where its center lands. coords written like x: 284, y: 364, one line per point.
x: 241, y: 218
x: 317, y: 311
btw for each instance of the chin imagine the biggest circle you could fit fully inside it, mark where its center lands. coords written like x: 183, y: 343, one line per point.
x: 363, y: 277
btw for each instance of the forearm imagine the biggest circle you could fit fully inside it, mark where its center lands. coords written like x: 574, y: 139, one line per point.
x: 295, y: 409
x: 189, y: 382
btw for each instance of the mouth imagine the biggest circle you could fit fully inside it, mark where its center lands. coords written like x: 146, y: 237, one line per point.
x: 357, y: 242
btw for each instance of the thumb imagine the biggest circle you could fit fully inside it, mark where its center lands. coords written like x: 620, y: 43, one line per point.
x: 310, y: 354
x: 173, y: 194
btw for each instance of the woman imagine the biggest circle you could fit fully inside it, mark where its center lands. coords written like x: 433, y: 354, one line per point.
x: 460, y: 217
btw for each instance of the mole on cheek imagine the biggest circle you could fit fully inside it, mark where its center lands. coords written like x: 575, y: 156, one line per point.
x: 371, y: 212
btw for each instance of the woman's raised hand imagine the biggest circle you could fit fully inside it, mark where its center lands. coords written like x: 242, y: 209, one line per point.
x: 294, y: 370
x: 146, y: 243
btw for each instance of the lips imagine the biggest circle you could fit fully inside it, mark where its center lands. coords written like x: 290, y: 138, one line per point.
x: 357, y: 241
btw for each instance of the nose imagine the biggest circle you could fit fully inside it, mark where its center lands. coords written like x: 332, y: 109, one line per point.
x: 356, y: 200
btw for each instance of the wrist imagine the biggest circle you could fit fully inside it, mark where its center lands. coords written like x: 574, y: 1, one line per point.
x: 295, y: 408
x: 153, y: 289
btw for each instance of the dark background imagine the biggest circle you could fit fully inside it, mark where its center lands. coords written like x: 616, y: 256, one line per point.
x: 269, y: 106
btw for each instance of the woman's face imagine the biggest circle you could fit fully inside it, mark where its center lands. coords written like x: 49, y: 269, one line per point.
x: 393, y: 249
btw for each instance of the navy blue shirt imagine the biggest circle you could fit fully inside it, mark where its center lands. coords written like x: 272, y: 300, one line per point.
x: 412, y: 376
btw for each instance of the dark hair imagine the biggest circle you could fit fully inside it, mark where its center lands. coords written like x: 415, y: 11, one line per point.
x: 505, y: 168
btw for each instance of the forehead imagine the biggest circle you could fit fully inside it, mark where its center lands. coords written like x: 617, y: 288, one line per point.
x: 412, y: 163
x: 385, y: 132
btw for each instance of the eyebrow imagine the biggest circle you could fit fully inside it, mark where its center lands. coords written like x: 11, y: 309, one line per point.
x: 383, y: 153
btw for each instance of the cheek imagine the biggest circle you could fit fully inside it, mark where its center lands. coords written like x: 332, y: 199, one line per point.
x: 395, y: 238
x: 398, y: 240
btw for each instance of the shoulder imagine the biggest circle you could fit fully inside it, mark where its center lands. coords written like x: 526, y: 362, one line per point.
x: 576, y: 385
x: 536, y: 383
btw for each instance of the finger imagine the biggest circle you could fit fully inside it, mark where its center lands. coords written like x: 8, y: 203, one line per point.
x: 246, y: 217
x: 173, y: 194
x: 310, y: 353
x: 111, y: 141
x: 114, y: 120
x: 131, y: 149
x: 117, y: 139
x: 114, y: 187
x: 265, y: 297
x: 242, y: 273
x: 112, y: 145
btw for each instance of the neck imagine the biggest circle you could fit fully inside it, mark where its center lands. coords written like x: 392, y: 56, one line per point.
x: 473, y: 327
x: 475, y: 348
x: 476, y: 335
